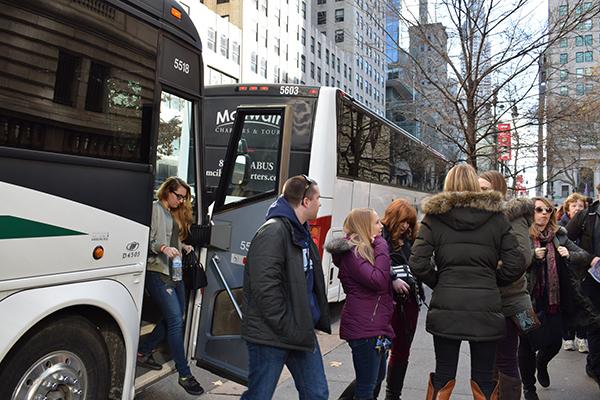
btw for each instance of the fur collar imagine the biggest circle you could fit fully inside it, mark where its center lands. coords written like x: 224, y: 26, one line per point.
x: 519, y: 207
x: 442, y: 203
x: 338, y: 246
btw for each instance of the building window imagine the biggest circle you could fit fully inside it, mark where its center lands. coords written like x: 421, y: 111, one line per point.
x: 585, y: 25
x: 350, y: 74
x: 224, y: 46
x: 564, y: 42
x: 339, y: 15
x: 319, y: 49
x: 319, y: 74
x: 580, y: 89
x: 564, y: 90
x: 263, y: 6
x: 263, y: 67
x: 303, y: 37
x: 588, y: 88
x: 332, y: 61
x: 578, y: 73
x: 276, y: 74
x: 312, y: 70
x: 253, y: 62
x: 321, y: 17
x: 338, y: 65
x: 235, y: 53
x: 345, y: 70
x: 222, y: 1
x: 564, y: 58
x: 563, y: 10
x: 339, y: 35
x: 326, y: 78
x: 563, y: 74
x: 303, y: 63
x: 583, y: 56
x: 278, y: 17
x: 327, y: 56
x: 303, y: 9
x: 277, y: 46
x: 212, y: 39
x: 312, y: 44
x: 321, y: 1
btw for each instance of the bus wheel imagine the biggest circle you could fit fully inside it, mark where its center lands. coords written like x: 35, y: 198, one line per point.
x: 65, y: 359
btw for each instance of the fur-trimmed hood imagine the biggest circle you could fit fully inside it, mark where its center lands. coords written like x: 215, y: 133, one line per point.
x: 464, y: 210
x: 519, y: 207
x: 338, y: 246
x: 441, y: 203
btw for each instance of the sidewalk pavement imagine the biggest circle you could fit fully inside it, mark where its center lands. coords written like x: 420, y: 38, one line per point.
x: 567, y: 374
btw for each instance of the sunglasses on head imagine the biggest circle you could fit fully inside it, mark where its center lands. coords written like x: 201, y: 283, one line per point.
x: 540, y: 210
x: 307, y: 184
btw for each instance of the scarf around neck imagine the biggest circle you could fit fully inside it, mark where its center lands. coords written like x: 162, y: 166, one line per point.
x: 548, y: 279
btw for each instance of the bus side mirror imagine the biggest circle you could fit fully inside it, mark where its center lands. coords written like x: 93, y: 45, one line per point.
x: 241, y: 169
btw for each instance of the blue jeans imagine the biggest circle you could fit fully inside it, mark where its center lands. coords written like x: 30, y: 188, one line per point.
x: 171, y: 300
x: 369, y: 366
x: 266, y: 364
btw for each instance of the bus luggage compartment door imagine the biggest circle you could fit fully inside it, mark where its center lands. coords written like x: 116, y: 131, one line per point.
x: 255, y: 168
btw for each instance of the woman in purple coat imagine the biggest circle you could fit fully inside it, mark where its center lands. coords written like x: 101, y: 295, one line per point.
x: 364, y: 263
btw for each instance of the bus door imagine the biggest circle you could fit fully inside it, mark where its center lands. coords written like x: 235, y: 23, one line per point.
x: 259, y: 135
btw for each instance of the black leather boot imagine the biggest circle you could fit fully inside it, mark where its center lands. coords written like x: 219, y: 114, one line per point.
x: 395, y: 381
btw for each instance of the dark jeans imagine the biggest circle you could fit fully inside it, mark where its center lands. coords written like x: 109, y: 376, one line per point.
x: 369, y: 366
x: 592, y: 289
x: 570, y: 333
x: 404, y: 322
x: 528, y: 359
x: 483, y: 358
x: 266, y: 364
x: 171, y: 300
x: 506, y: 353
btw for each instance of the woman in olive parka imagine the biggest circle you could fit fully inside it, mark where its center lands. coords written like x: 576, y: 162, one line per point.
x: 462, y: 237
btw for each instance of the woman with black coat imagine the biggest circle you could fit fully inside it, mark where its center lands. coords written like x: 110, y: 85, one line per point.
x: 550, y: 276
x: 461, y: 239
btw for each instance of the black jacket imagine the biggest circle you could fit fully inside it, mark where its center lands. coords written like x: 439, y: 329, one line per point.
x: 275, y: 304
x: 466, y: 234
x: 581, y: 228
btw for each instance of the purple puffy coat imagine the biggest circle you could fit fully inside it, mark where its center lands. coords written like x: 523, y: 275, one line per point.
x: 369, y: 295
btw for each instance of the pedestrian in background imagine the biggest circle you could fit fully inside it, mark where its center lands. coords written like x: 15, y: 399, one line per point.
x: 170, y: 226
x: 284, y: 297
x: 548, y: 278
x: 574, y: 336
x: 364, y: 263
x: 515, y: 298
x: 460, y: 241
x: 585, y: 229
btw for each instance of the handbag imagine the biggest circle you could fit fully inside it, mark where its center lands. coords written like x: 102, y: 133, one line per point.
x: 194, y: 275
x: 549, y: 332
x: 526, y: 321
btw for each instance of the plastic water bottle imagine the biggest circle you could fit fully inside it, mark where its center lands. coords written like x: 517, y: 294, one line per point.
x: 176, y: 271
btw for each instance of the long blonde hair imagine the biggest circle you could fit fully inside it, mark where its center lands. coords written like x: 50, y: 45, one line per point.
x: 357, y: 226
x: 462, y: 178
x: 183, y: 215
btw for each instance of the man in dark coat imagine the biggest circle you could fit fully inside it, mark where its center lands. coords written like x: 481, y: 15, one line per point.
x: 284, y: 297
x: 585, y: 227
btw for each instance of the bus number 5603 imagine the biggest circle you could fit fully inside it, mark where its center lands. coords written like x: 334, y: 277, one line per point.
x: 289, y: 90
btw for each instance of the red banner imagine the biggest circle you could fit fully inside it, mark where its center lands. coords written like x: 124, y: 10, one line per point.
x: 504, y: 142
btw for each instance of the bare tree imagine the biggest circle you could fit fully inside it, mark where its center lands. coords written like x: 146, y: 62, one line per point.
x: 490, y: 49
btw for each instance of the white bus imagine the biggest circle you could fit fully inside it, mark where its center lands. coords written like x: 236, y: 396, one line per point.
x: 99, y: 102
x: 358, y: 158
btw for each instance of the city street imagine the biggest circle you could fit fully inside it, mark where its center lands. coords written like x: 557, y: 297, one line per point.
x: 567, y: 374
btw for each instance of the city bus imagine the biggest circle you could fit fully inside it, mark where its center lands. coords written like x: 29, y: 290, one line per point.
x: 99, y: 102
x: 358, y: 158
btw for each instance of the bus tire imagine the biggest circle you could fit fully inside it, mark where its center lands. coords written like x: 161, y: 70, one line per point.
x: 62, y: 356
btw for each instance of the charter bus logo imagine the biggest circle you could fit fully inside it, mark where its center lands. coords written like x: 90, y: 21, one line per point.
x: 259, y: 124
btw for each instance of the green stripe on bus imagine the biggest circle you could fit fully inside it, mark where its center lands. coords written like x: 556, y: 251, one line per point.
x: 19, y: 228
